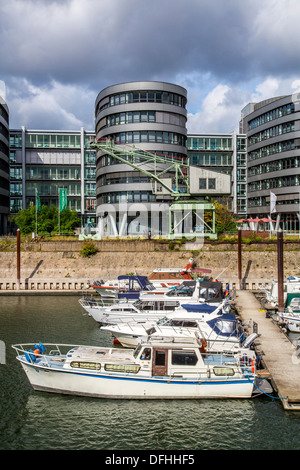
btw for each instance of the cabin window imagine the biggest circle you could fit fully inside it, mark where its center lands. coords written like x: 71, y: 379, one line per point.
x: 146, y: 354
x: 160, y: 358
x: 127, y: 368
x: 86, y: 365
x: 223, y: 371
x: 184, y: 358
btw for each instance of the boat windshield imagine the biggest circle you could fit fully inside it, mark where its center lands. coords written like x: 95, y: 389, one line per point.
x: 161, y: 321
x: 137, y: 351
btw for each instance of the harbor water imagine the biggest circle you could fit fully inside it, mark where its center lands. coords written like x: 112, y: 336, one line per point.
x: 32, y: 420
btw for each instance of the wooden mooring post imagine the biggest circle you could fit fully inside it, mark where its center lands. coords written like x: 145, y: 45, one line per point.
x: 240, y: 258
x: 18, y: 258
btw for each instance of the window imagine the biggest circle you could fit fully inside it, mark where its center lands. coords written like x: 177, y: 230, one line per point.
x: 184, y: 358
x: 86, y: 365
x: 211, y: 183
x: 127, y: 368
x: 160, y: 357
x: 202, y: 183
x: 146, y: 354
x: 223, y: 371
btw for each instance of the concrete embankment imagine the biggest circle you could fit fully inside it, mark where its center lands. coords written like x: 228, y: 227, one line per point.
x: 59, y: 265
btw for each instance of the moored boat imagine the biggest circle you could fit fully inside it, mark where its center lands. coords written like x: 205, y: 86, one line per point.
x: 219, y: 332
x: 206, y: 297
x: 159, y: 368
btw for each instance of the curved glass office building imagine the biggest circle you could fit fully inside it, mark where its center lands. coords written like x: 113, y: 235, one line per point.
x: 4, y: 166
x: 151, y: 116
x: 273, y: 153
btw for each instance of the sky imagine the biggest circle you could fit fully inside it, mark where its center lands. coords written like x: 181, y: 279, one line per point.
x: 57, y: 55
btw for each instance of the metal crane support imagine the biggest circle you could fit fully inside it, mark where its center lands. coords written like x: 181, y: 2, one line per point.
x: 186, y: 217
x: 151, y: 164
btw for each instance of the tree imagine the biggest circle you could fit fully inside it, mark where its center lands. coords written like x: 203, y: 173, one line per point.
x: 223, y: 219
x: 47, y: 220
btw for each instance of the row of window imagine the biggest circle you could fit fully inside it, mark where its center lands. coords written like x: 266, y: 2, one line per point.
x: 145, y: 96
x: 207, y: 159
x: 278, y: 147
x: 271, y: 115
x: 51, y: 189
x: 107, y: 160
x: 126, y: 196
x: 53, y: 173
x: 209, y: 143
x: 207, y: 183
x: 106, y: 179
x: 16, y: 203
x: 130, y: 117
x: 4, y: 131
x: 272, y: 132
x: 55, y: 141
x: 4, y: 113
x: 277, y: 165
x: 178, y: 358
x: 135, y: 117
x: 153, y: 137
x: 73, y: 203
x: 281, y: 182
x: 261, y: 201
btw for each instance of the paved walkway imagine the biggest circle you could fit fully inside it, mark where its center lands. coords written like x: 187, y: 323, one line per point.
x: 279, y: 355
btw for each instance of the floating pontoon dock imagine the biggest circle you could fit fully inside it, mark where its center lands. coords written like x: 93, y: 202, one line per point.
x: 278, y: 355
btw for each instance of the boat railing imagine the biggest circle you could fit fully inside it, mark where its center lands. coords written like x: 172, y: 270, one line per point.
x: 92, y: 302
x: 31, y: 353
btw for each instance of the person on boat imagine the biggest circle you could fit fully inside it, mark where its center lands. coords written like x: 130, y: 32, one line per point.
x: 146, y: 354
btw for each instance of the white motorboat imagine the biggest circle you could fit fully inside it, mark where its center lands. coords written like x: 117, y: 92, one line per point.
x: 126, y: 287
x: 157, y: 369
x: 291, y: 314
x: 290, y: 286
x: 207, y: 296
x: 160, y: 279
x: 219, y: 332
x: 171, y: 277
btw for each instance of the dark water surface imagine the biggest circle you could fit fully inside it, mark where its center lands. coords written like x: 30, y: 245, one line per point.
x: 38, y: 420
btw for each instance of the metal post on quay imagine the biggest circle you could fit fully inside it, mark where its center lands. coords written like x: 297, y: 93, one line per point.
x: 280, y: 270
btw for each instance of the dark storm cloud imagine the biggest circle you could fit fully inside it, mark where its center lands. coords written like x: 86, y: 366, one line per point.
x: 121, y: 40
x: 71, y: 48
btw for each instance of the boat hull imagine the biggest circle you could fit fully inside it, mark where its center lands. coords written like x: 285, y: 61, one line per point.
x: 127, y: 386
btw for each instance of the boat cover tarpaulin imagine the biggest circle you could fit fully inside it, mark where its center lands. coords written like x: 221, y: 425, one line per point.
x: 201, y: 308
x: 224, y: 325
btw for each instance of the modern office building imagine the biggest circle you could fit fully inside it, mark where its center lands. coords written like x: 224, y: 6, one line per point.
x: 48, y: 161
x: 273, y: 158
x: 152, y: 117
x: 4, y: 166
x: 222, y: 154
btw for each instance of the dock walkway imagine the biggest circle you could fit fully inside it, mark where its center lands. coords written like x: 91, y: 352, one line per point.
x: 279, y: 355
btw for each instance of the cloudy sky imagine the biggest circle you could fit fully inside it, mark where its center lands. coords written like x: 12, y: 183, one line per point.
x: 57, y: 55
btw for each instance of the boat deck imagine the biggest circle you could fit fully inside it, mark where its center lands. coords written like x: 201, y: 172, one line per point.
x: 278, y: 354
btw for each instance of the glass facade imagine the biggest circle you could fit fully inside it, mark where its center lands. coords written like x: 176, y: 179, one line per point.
x: 273, y: 164
x: 226, y: 154
x: 149, y: 115
x: 51, y: 160
x: 4, y: 167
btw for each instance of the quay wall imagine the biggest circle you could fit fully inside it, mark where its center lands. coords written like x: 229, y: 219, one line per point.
x: 60, y: 266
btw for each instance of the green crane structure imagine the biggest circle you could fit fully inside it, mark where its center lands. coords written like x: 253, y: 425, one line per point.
x: 170, y: 176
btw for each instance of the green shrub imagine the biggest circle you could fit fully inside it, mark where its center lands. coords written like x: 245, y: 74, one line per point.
x: 88, y: 249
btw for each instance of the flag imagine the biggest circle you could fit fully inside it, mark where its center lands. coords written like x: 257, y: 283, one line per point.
x: 37, y: 200
x: 273, y: 198
x: 63, y: 200
x: 226, y: 290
